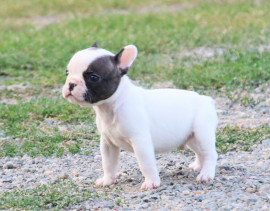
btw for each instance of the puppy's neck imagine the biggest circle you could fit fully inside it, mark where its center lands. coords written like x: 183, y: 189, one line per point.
x: 112, y: 103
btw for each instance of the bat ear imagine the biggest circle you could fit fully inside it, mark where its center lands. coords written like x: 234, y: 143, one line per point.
x: 94, y: 45
x: 126, y: 57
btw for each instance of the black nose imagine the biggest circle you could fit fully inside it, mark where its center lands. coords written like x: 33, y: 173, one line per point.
x: 71, y: 86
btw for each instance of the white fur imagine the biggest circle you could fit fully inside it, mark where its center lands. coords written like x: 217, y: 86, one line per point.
x: 156, y: 121
x: 150, y: 121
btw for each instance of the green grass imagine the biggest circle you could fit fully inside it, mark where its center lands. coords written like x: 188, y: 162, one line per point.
x: 235, y: 70
x: 45, y: 197
x: 26, y: 123
x: 232, y: 137
x: 231, y: 26
x: 39, y: 37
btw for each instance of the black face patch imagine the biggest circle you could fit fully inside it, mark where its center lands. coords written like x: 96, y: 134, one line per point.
x: 102, y: 78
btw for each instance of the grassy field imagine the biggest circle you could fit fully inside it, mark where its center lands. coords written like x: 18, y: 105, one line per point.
x: 37, y: 39
x: 44, y: 197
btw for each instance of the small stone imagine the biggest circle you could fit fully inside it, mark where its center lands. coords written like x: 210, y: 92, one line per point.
x: 252, y: 200
x: 162, y: 188
x: 190, y: 186
x: 7, y: 179
x: 48, y: 172
x: 176, y: 187
x: 81, y: 179
x: 20, y: 162
x: 88, y: 205
x: 31, y: 180
x: 225, y: 167
x: 171, y: 198
x: 109, y: 204
x: 63, y: 175
x: 76, y: 174
x: 266, y: 141
x: 86, y: 182
x: 167, y: 206
x: 199, y: 197
x: 222, y: 171
x: 70, y: 142
x: 197, y: 192
x: 137, y: 201
x: 251, y: 190
x: 49, y: 121
x: 9, y: 165
x: 154, y: 197
x: 171, y: 163
x: 146, y: 205
x: 185, y: 192
x: 264, y: 189
x: 33, y: 170
x: 2, y: 134
x: 5, y: 138
x: 142, y: 196
x: 8, y: 186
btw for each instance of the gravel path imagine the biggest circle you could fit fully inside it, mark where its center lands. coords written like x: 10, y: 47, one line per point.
x: 242, y: 181
x: 233, y: 112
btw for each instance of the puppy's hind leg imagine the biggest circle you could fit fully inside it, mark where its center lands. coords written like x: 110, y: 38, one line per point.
x: 197, y: 164
x: 206, y: 156
x: 204, y: 141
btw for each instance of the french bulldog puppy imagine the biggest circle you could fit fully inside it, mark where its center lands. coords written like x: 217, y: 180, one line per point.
x: 139, y: 120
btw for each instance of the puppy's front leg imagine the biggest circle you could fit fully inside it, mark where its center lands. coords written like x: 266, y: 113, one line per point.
x: 144, y: 152
x: 110, y: 158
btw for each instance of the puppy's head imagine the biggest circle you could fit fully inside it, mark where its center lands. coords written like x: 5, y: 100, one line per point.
x: 94, y: 74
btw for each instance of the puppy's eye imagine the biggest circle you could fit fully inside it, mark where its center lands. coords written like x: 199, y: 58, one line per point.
x: 94, y: 78
x: 66, y: 72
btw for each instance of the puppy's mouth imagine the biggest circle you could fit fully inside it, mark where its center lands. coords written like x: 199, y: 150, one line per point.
x: 68, y: 95
x: 73, y: 98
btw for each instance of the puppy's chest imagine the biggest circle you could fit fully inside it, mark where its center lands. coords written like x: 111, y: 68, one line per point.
x: 111, y: 131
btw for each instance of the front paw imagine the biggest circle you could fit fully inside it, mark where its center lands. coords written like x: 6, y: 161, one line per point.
x: 205, y: 176
x: 105, y: 181
x: 150, y: 184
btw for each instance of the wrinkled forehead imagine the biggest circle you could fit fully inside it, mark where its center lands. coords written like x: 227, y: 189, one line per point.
x: 82, y: 59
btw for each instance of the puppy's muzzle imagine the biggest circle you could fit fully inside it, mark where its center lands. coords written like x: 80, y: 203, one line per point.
x: 71, y: 86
